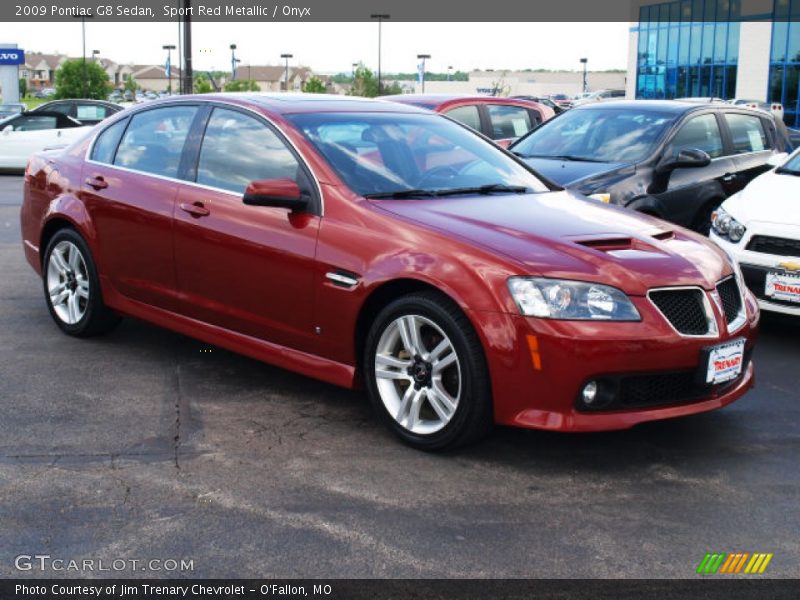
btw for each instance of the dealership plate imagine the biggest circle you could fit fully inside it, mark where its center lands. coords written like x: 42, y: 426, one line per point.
x: 782, y: 286
x: 725, y: 362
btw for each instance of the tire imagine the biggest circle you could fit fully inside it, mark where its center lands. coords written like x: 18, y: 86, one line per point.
x: 76, y: 302
x: 431, y: 388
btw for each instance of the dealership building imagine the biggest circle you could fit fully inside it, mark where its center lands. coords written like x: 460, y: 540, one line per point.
x: 717, y: 48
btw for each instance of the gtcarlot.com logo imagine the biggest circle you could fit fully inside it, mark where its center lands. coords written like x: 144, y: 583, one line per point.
x: 734, y: 563
x: 45, y: 562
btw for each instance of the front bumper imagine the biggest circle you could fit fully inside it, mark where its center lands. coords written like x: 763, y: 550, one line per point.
x: 756, y: 265
x: 540, y: 366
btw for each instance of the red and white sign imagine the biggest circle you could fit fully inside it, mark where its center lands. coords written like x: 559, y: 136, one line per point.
x: 783, y: 286
x: 725, y: 362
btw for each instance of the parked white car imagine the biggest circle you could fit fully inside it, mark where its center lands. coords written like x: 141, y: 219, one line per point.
x: 26, y: 133
x: 760, y: 228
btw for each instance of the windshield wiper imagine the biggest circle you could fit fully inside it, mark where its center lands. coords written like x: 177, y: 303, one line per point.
x: 481, y: 189
x: 787, y: 171
x: 568, y: 157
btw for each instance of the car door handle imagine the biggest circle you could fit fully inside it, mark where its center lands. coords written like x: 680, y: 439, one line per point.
x: 97, y: 183
x: 196, y: 210
x: 728, y: 177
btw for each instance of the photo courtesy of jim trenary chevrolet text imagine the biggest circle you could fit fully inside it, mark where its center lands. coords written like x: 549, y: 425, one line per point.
x: 399, y: 299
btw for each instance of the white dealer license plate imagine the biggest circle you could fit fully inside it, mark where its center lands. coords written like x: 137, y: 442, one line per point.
x: 725, y: 362
x: 782, y: 286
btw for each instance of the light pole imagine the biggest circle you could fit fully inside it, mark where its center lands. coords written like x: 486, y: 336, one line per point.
x: 353, y: 71
x: 584, y: 61
x: 94, y: 54
x: 233, y: 62
x: 381, y: 18
x: 422, y: 73
x: 83, y: 18
x: 449, y: 72
x: 169, y: 48
x: 286, y: 57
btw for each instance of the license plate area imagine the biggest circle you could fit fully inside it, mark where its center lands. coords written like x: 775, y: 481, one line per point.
x: 782, y: 286
x: 723, y: 362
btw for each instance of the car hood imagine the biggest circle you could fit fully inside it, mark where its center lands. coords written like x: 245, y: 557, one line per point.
x: 769, y: 198
x: 563, y: 235
x: 568, y: 172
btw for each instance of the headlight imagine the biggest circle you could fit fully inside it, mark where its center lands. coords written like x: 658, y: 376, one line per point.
x: 726, y: 226
x: 604, y: 198
x: 573, y: 300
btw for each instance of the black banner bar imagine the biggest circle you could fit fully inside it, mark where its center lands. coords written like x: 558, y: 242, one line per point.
x: 744, y: 588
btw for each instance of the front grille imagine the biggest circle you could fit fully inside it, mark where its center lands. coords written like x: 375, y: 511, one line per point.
x: 660, y: 388
x: 774, y: 245
x: 684, y: 309
x: 731, y: 298
x: 755, y: 278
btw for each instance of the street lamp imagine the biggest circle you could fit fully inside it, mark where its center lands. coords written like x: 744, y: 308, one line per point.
x: 353, y: 72
x: 94, y: 54
x: 233, y: 62
x: 169, y: 48
x: 449, y: 72
x: 286, y: 57
x: 381, y: 18
x: 584, y: 61
x: 422, y: 73
x: 83, y: 18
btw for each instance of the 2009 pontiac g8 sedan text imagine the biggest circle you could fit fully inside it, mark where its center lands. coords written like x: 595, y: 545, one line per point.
x: 368, y: 243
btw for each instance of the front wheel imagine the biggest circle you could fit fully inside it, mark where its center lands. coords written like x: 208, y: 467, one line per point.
x: 426, y: 374
x: 72, y: 287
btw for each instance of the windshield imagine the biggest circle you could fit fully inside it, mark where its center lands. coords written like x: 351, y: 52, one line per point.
x: 597, y: 134
x: 792, y: 165
x: 412, y: 155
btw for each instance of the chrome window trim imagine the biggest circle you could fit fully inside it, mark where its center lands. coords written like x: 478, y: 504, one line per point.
x: 210, y: 103
x: 711, y: 319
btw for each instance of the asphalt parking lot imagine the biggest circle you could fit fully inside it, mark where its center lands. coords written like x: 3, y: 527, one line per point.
x: 145, y: 444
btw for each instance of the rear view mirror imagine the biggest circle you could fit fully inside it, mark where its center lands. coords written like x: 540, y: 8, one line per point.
x: 776, y: 160
x: 281, y: 193
x: 685, y: 159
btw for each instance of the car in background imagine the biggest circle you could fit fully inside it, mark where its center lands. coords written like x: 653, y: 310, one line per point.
x: 44, y: 93
x: 600, y: 96
x: 562, y: 100
x: 775, y: 108
x: 675, y: 160
x: 9, y: 110
x: 372, y: 243
x: 88, y: 112
x: 542, y: 100
x: 29, y: 132
x: 500, y: 119
x: 760, y: 228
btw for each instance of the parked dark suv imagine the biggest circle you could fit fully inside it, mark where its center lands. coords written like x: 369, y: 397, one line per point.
x: 672, y: 159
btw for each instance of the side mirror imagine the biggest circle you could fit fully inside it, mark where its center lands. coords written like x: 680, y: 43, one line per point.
x: 281, y: 193
x: 776, y: 160
x: 686, y: 159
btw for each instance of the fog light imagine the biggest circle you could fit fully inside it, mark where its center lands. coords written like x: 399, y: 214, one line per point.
x: 589, y: 393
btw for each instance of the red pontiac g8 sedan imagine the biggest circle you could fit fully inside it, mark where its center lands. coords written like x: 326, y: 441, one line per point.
x: 369, y: 243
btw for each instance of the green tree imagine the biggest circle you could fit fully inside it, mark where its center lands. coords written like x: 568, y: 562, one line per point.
x: 364, y: 83
x: 201, y: 84
x: 242, y: 85
x: 314, y: 86
x: 23, y: 88
x: 77, y: 78
x: 392, y: 89
x: 130, y: 85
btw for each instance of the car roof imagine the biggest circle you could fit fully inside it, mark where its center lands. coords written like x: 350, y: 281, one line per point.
x: 673, y: 106
x: 438, y: 100
x: 292, y: 103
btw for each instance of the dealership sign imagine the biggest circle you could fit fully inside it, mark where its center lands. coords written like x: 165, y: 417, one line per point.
x: 12, y: 56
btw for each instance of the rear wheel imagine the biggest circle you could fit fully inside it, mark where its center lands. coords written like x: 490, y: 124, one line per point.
x: 426, y: 374
x: 72, y: 288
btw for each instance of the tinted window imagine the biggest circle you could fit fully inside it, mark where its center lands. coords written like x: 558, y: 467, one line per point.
x: 238, y: 149
x: 509, y: 121
x: 597, y: 134
x: 382, y: 153
x: 106, y: 144
x: 154, y: 140
x: 34, y: 123
x: 747, y: 132
x: 468, y: 115
x: 701, y: 133
x: 60, y: 107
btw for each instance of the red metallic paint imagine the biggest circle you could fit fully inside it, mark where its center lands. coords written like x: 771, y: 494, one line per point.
x: 252, y: 279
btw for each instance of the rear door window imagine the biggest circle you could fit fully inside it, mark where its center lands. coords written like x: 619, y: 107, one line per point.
x: 468, y: 115
x: 105, y: 145
x: 509, y: 121
x: 747, y: 132
x: 154, y: 140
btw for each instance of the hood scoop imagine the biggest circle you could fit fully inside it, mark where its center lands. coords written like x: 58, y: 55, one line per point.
x: 627, y: 247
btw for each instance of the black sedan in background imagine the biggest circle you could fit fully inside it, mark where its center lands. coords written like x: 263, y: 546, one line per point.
x: 675, y: 160
x: 88, y: 112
